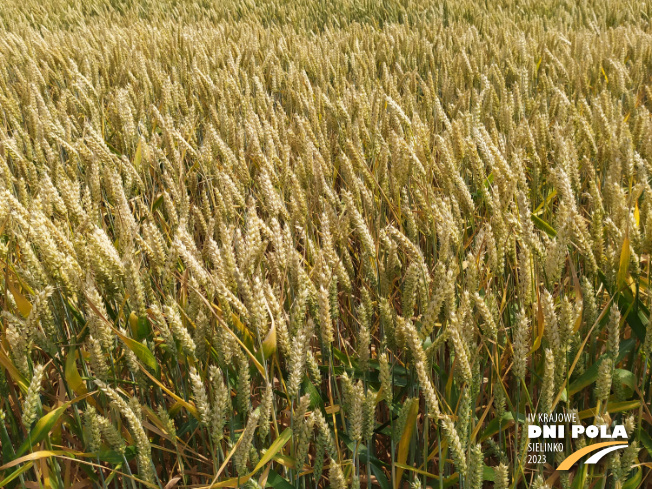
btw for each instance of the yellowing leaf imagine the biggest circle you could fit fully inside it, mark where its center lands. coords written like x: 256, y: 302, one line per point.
x: 13, y: 372
x: 189, y: 407
x: 637, y: 215
x: 133, y: 321
x: 540, y: 329
x: 262, y: 481
x: 247, y: 335
x: 175, y: 408
x: 623, y: 267
x: 578, y: 295
x: 404, y: 443
x: 24, y: 306
x: 33, y: 456
x: 612, y: 407
x: 248, y: 338
x: 578, y: 321
x: 72, y: 374
x: 139, y: 155
x: 269, y: 343
x: 278, y: 444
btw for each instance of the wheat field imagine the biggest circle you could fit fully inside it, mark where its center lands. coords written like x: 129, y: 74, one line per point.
x: 323, y: 243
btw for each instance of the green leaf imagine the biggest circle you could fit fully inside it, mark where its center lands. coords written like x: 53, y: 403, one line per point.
x: 590, y: 375
x: 115, y: 458
x: 645, y: 440
x: 564, y: 395
x: 544, y: 226
x: 493, y: 426
x: 636, y: 317
x: 341, y: 356
x: 362, y: 452
x: 625, y: 377
x: 42, y: 429
x: 7, y: 448
x: 605, y: 282
x: 634, y: 481
x: 380, y: 476
x: 140, y: 328
x: 16, y: 473
x: 157, y: 203
x: 580, y: 477
x: 278, y: 482
x: 451, y: 481
x: 141, y: 351
x: 311, y: 390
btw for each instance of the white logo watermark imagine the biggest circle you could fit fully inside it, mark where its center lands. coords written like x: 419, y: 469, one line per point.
x: 557, y: 426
